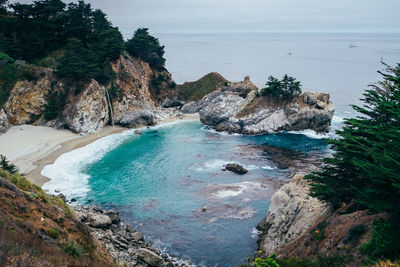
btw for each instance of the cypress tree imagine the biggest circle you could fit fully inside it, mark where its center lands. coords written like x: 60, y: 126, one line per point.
x: 365, y: 167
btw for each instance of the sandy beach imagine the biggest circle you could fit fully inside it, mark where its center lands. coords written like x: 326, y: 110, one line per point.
x: 31, y: 148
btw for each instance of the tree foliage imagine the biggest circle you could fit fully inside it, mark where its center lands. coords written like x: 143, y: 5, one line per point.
x: 286, y: 89
x: 147, y: 48
x: 32, y: 31
x: 365, y: 167
x: 6, y: 165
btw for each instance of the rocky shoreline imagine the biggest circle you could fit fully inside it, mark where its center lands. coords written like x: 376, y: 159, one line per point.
x: 125, y: 244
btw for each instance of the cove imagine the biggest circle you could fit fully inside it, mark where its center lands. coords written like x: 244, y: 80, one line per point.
x: 168, y: 182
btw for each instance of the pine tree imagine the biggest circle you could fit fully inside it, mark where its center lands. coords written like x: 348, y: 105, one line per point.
x: 147, y: 48
x: 76, y: 62
x: 365, y: 167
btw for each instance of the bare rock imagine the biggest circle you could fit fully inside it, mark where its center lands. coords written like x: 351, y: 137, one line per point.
x: 149, y: 257
x: 89, y: 110
x: 135, y: 106
x: 27, y: 99
x: 100, y: 221
x: 4, y: 123
x: 292, y: 211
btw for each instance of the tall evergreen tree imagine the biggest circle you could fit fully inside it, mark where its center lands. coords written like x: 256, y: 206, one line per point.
x: 147, y: 48
x: 76, y: 61
x: 365, y: 167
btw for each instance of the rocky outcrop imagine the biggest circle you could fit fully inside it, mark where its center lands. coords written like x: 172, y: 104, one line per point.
x: 87, y: 108
x: 237, y: 108
x: 298, y: 225
x: 134, y: 106
x: 4, y: 123
x: 292, y: 211
x: 124, y: 243
x: 88, y: 111
x: 27, y: 98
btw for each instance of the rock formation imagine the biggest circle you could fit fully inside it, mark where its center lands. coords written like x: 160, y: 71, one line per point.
x: 27, y: 99
x: 237, y: 108
x: 124, y: 243
x: 298, y: 225
x: 87, y: 109
x: 4, y: 123
x: 134, y: 106
x: 291, y: 212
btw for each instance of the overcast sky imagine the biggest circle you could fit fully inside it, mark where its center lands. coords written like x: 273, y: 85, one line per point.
x: 167, y: 16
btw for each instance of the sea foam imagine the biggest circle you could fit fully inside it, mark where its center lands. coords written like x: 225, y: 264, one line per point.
x: 67, y: 172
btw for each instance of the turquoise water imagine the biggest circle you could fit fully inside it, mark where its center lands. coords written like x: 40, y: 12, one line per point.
x: 168, y: 183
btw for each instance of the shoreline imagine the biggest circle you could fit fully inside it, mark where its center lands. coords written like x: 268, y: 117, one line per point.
x: 44, y: 149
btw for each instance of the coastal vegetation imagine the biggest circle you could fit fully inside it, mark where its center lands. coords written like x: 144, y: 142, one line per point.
x: 37, y: 229
x: 364, y: 168
x: 285, y: 89
x: 76, y: 40
x: 193, y: 91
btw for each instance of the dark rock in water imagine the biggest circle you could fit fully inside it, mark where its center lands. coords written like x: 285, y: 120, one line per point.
x: 73, y: 200
x: 137, y: 132
x: 236, y: 168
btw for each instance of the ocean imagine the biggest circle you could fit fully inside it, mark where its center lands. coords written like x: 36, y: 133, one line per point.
x: 168, y: 182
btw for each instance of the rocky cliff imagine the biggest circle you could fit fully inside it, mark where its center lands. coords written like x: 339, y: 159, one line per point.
x: 238, y: 108
x: 86, y: 106
x: 298, y: 225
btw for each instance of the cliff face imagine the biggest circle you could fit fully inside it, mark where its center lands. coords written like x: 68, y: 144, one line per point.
x: 134, y: 106
x: 27, y: 99
x: 298, y: 225
x: 87, y: 110
x: 236, y: 108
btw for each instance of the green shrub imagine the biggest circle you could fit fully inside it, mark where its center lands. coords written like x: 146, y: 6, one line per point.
x: 56, y: 102
x: 53, y: 233
x: 384, y: 242
x: 73, y: 249
x: 6, y: 58
x: 7, y: 166
x: 319, y: 232
x: 354, y: 234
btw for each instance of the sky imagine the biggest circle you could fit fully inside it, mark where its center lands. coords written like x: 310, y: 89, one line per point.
x: 216, y: 16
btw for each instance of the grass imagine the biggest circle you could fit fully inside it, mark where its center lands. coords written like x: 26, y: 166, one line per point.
x: 193, y: 91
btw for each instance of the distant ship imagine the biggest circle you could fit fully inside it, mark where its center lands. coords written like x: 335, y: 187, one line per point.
x: 352, y: 45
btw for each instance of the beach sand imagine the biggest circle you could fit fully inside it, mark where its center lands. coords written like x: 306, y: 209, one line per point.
x: 31, y: 148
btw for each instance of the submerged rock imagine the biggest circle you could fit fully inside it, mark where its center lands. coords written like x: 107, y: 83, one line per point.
x: 236, y: 168
x: 237, y: 108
